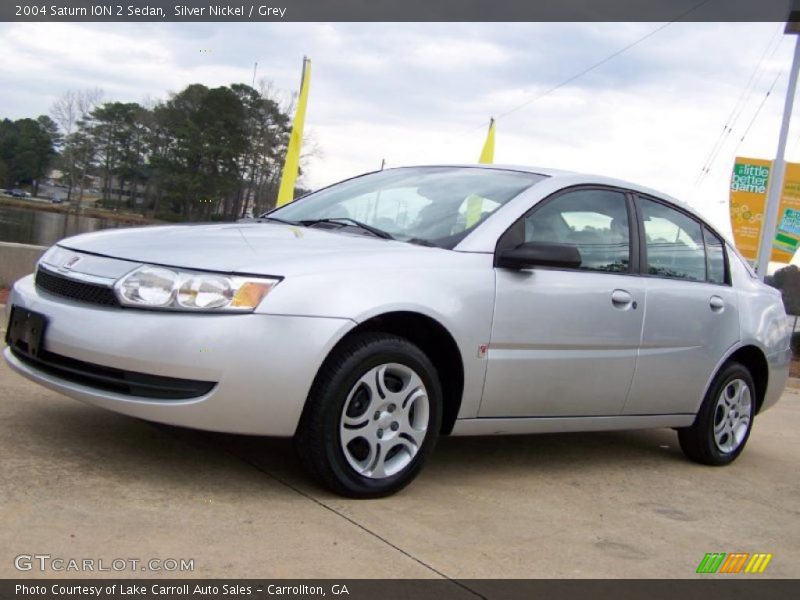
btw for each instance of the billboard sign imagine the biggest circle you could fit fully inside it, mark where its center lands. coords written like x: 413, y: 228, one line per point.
x: 748, y: 191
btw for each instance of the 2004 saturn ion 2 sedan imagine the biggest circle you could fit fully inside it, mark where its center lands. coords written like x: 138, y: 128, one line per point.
x: 373, y: 316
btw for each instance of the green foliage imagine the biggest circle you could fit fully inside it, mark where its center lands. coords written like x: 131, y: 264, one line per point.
x: 795, y: 343
x: 78, y: 156
x: 787, y: 280
x: 27, y: 149
x: 117, y: 132
x: 204, y: 153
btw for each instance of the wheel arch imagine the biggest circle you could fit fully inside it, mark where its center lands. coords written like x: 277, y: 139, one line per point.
x: 755, y: 360
x: 435, y: 340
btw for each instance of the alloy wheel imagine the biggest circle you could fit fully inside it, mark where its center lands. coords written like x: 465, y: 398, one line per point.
x: 384, y: 420
x: 732, y: 415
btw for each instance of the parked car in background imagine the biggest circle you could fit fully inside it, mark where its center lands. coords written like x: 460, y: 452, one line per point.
x: 18, y: 193
x: 373, y: 316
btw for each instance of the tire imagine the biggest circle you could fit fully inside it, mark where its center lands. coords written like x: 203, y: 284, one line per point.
x: 381, y: 395
x: 722, y: 427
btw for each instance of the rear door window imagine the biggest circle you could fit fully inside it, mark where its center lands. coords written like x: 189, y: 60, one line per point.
x: 674, y: 242
x: 715, y: 257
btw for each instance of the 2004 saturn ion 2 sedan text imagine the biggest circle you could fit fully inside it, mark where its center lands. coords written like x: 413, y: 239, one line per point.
x: 373, y: 316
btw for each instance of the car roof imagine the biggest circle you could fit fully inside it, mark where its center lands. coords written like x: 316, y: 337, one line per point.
x: 577, y: 178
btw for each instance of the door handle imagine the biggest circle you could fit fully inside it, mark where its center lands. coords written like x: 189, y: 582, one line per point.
x: 622, y: 299
x: 716, y: 303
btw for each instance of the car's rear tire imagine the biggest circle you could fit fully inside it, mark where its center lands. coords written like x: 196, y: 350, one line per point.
x: 372, y: 417
x: 722, y: 427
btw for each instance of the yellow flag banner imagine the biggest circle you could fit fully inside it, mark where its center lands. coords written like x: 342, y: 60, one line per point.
x: 487, y: 154
x: 292, y: 165
x: 748, y: 190
x: 475, y: 203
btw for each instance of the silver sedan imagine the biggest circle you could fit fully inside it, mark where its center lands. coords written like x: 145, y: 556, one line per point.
x: 373, y: 316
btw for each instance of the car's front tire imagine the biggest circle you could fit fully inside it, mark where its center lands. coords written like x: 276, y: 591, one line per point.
x: 723, y: 425
x: 372, y: 417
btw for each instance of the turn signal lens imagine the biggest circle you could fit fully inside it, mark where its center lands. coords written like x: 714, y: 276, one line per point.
x: 250, y: 294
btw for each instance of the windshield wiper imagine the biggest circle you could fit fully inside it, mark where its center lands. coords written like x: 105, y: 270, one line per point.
x: 345, y: 220
x: 421, y: 242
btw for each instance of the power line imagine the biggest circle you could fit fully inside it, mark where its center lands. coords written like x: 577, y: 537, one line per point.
x: 758, y: 111
x: 601, y: 62
x: 753, y: 118
x: 584, y: 72
x: 738, y: 108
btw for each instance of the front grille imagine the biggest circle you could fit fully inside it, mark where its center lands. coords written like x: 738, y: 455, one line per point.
x: 81, y: 291
x: 130, y: 383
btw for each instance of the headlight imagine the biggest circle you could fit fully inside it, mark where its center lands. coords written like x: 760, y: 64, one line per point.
x: 173, y: 289
x: 148, y: 286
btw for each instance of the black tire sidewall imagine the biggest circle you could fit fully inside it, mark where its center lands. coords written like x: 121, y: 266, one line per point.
x: 706, y: 420
x: 380, y: 350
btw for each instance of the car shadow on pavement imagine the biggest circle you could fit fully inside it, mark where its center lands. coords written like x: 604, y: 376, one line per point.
x: 74, y: 432
x: 48, y: 439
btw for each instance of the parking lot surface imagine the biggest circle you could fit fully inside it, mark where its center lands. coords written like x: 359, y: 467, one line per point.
x: 79, y: 482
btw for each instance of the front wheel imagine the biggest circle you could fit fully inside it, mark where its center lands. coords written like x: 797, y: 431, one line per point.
x: 723, y: 425
x: 372, y: 416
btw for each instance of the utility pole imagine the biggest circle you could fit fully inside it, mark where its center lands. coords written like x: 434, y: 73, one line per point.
x: 779, y: 166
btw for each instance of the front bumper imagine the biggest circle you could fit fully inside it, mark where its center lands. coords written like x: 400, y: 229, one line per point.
x: 263, y: 365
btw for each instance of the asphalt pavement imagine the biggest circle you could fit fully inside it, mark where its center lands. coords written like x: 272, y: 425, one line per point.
x: 78, y: 482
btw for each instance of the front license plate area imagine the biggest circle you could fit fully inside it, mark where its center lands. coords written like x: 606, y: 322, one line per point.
x: 25, y: 331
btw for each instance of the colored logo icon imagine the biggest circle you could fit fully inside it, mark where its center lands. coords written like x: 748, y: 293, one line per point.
x: 736, y: 562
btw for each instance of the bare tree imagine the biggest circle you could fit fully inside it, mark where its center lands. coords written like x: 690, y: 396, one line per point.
x: 65, y: 114
x: 267, y: 172
x: 87, y: 101
x: 71, y: 112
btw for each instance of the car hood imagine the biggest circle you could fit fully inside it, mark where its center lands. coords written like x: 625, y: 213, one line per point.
x: 257, y: 248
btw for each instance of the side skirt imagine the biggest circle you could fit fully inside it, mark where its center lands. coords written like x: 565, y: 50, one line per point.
x: 522, y: 425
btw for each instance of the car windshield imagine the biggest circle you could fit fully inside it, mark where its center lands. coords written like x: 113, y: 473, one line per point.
x: 429, y: 205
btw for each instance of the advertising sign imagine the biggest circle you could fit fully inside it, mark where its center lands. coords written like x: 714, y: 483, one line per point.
x: 748, y: 199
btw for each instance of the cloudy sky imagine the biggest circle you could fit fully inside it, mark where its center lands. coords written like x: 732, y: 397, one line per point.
x: 417, y: 93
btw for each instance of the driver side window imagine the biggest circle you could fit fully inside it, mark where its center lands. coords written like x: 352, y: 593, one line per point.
x: 595, y: 221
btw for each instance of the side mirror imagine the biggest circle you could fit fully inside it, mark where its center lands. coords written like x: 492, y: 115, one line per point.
x: 539, y: 254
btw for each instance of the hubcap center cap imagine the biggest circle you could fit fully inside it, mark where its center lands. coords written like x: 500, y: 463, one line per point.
x: 387, y: 425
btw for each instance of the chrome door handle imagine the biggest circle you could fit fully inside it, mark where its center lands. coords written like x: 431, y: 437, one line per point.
x: 622, y: 299
x: 716, y: 303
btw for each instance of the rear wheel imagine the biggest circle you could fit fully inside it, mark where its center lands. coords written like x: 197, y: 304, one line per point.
x: 723, y: 425
x: 372, y: 417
